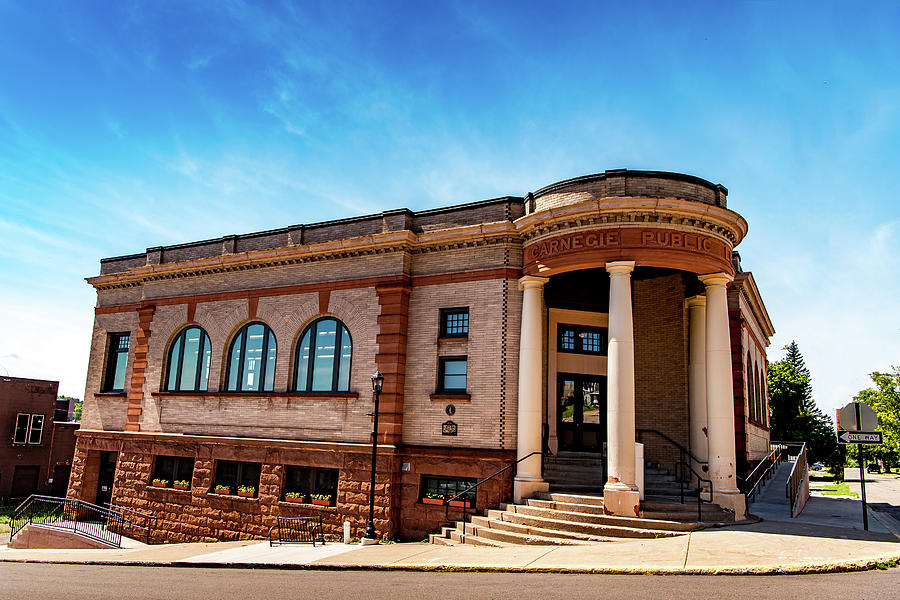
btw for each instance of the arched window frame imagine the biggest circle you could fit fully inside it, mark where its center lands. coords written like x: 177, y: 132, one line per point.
x: 751, y: 396
x: 341, y: 330
x: 267, y: 365
x: 178, y: 343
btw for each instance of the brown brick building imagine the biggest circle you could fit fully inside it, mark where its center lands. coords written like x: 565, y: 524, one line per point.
x: 37, y: 456
x: 574, y: 320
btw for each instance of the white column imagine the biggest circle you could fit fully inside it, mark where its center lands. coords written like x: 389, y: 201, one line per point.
x: 720, y: 397
x: 530, y: 416
x: 620, y: 494
x: 697, y: 378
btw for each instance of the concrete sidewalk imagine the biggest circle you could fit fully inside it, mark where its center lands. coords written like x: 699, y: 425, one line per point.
x: 827, y: 537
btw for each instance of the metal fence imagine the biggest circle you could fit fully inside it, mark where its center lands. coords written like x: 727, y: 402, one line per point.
x: 68, y: 514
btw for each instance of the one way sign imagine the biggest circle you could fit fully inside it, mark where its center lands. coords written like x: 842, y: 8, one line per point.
x: 860, y: 437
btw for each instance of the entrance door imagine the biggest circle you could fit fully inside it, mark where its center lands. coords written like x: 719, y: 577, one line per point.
x: 24, y: 482
x: 106, y: 477
x: 581, y: 407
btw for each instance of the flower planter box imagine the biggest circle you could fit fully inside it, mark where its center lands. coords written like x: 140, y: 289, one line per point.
x: 158, y: 485
x: 435, y: 501
x: 318, y: 502
x: 245, y: 494
x: 223, y: 492
x: 295, y: 500
x: 460, y: 504
x: 181, y: 487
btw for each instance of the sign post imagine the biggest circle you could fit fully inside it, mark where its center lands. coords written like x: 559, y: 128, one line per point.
x: 856, y: 424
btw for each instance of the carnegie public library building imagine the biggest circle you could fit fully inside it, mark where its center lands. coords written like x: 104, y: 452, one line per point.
x: 230, y: 380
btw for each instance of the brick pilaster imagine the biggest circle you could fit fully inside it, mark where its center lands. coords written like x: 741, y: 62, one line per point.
x: 735, y: 327
x: 391, y: 356
x: 138, y: 368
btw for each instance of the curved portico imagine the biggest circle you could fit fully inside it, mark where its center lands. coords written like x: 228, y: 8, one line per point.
x: 646, y: 245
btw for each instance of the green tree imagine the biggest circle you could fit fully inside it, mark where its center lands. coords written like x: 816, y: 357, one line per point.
x: 884, y: 399
x: 795, y: 416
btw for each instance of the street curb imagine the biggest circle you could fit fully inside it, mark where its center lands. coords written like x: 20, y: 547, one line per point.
x: 886, y: 562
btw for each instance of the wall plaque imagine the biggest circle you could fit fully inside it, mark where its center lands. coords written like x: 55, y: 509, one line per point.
x: 448, y: 428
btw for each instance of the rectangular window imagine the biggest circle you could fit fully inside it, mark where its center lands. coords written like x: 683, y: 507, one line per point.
x: 581, y: 340
x: 452, y: 374
x: 446, y: 487
x: 233, y: 477
x: 174, y: 471
x: 454, y: 322
x: 36, y: 431
x: 116, y: 362
x: 307, y: 482
x: 23, y: 421
x: 29, y: 429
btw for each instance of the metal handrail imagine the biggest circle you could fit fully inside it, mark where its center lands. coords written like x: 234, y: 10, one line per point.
x: 764, y: 470
x: 795, y: 479
x: 151, y: 519
x: 465, y: 492
x: 70, y: 514
x: 679, y: 474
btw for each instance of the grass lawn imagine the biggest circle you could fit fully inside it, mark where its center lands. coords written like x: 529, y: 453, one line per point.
x: 6, y: 512
x: 838, y: 489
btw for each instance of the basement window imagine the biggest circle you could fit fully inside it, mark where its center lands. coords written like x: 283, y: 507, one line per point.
x: 446, y: 487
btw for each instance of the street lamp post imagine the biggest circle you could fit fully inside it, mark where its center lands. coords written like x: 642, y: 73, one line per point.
x: 371, y: 537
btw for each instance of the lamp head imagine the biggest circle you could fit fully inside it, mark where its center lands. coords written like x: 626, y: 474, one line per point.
x: 377, y: 382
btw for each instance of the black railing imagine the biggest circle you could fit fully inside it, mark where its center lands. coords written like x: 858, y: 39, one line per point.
x: 752, y: 485
x: 464, y: 495
x: 131, y: 520
x: 69, y: 514
x: 684, y: 470
x: 297, y: 530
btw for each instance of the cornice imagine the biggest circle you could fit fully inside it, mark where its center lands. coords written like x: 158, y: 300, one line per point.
x: 720, y: 222
x: 385, y: 243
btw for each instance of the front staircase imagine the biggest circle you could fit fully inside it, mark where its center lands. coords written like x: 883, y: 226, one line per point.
x: 572, y: 513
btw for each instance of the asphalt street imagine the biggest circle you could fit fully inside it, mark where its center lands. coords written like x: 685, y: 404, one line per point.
x: 882, y: 491
x: 71, y: 582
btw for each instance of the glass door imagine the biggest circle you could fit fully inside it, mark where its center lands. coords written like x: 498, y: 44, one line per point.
x: 581, y: 409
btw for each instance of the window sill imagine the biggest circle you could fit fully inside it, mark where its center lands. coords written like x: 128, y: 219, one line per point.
x: 328, y: 395
x: 758, y: 424
x: 451, y: 397
x: 232, y: 497
x: 453, y: 338
x: 168, y: 489
x: 109, y: 394
x: 307, y: 505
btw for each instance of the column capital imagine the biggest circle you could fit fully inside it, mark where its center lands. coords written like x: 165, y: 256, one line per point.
x: 715, y: 279
x: 620, y: 267
x: 530, y: 281
x: 695, y: 301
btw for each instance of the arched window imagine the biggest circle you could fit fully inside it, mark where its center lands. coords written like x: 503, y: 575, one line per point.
x: 751, y: 396
x: 251, y: 359
x: 187, y: 368
x: 323, y: 357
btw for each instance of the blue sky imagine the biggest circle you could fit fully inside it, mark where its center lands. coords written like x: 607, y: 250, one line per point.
x: 125, y: 125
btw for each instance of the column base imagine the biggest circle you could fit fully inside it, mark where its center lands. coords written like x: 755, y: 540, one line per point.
x: 622, y: 502
x: 526, y: 488
x: 732, y: 500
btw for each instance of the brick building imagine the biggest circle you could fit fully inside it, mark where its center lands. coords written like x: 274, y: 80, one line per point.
x: 572, y: 320
x: 37, y: 455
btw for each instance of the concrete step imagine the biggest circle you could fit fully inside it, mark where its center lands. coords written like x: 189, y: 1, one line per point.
x: 597, y: 519
x: 538, y: 531
x: 435, y: 538
x: 595, y: 499
x: 474, y: 540
x: 597, y: 529
x: 527, y: 536
x: 575, y: 487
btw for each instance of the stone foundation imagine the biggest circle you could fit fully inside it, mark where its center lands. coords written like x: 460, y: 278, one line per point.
x: 200, y: 515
